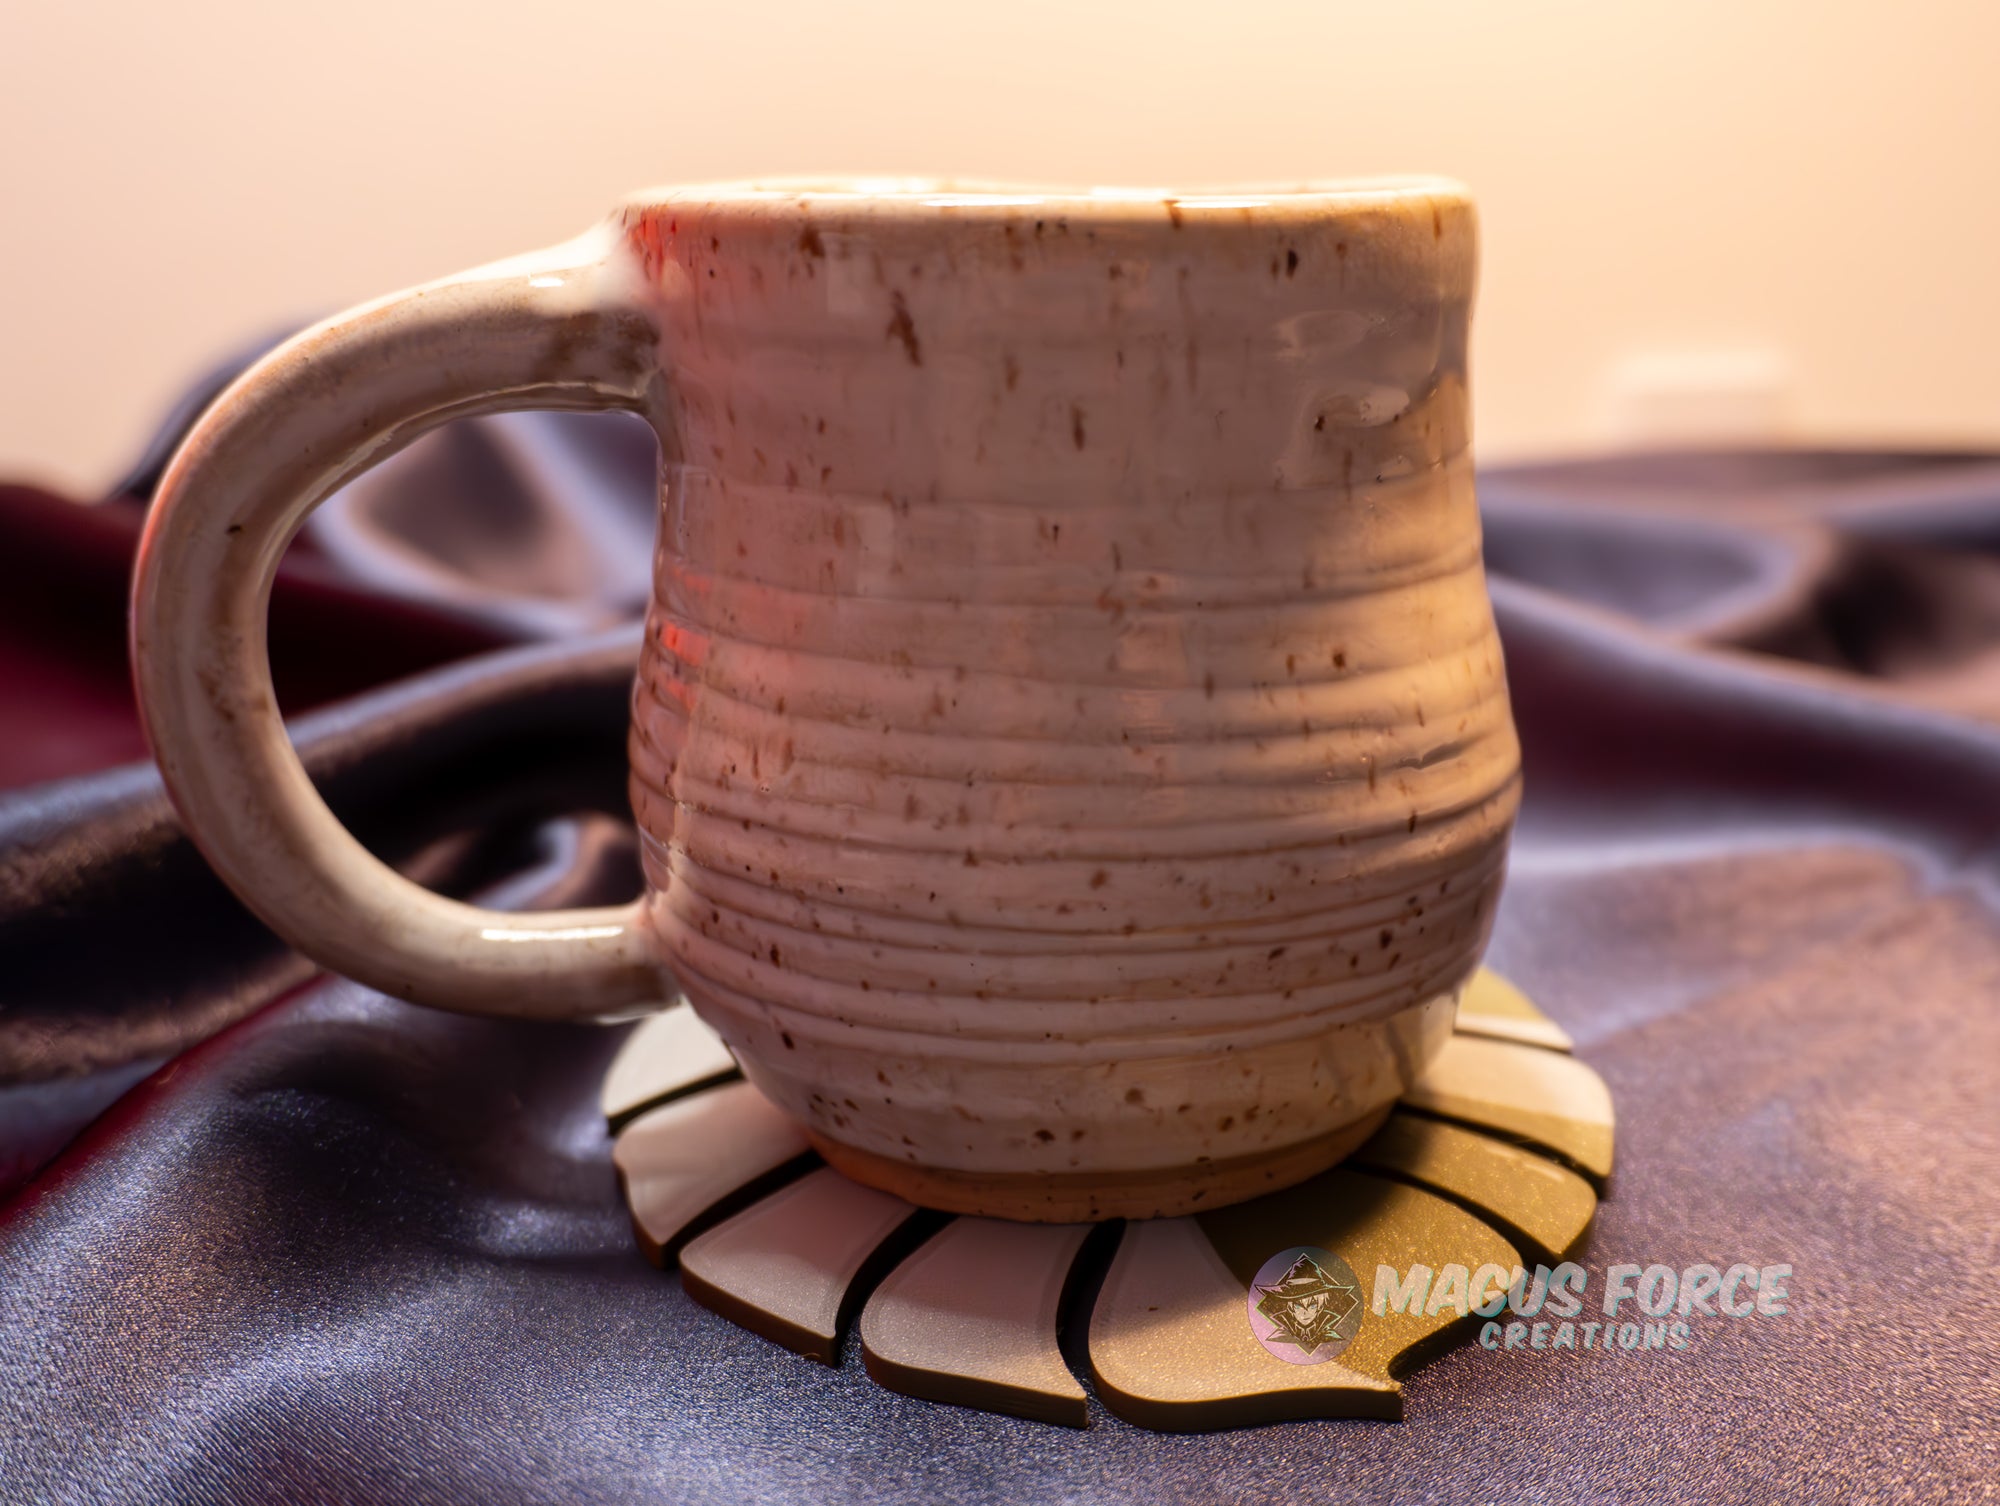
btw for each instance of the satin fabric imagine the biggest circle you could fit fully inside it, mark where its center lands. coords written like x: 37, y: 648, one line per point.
x: 274, y: 1237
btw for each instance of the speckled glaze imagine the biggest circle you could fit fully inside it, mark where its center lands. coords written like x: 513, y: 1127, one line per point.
x: 1071, y: 748
x: 1071, y: 744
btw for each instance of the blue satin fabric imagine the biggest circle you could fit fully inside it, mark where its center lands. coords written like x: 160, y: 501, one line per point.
x: 339, y: 1248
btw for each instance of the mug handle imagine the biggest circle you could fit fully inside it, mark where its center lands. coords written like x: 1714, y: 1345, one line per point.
x: 564, y: 328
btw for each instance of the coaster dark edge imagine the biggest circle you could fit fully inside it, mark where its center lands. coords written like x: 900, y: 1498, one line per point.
x: 666, y: 1254
x: 614, y: 1124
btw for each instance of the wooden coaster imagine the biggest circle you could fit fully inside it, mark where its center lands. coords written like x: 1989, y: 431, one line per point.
x: 693, y: 1161
x: 1551, y: 1101
x: 1493, y: 1007
x: 1545, y: 1209
x: 668, y: 1056
x: 1248, y: 1314
x: 1171, y: 1346
x: 794, y: 1266
x: 971, y: 1319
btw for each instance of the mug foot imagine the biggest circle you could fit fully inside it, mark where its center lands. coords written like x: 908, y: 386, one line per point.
x: 1073, y: 1197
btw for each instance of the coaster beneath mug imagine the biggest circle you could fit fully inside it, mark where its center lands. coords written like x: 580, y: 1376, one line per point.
x: 1272, y: 1309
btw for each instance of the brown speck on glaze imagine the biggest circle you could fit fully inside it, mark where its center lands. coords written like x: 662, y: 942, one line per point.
x: 1076, y: 426
x: 1291, y: 262
x: 902, y: 328
x: 811, y: 244
x: 1015, y: 258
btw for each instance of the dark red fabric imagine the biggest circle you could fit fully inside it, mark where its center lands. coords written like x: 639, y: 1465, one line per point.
x: 65, y: 686
x: 321, y: 1245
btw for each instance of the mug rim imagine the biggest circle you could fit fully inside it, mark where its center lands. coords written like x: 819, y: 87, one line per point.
x: 919, y: 197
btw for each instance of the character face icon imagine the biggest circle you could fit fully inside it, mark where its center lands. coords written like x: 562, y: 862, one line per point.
x: 1305, y: 1305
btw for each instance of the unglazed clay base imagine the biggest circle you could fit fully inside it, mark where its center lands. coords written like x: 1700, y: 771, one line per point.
x: 1086, y: 1197
x: 1496, y: 1157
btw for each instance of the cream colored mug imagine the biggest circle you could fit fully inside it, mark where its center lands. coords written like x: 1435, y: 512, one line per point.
x: 1071, y: 752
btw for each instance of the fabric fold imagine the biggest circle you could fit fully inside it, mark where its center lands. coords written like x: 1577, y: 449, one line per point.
x: 268, y: 1235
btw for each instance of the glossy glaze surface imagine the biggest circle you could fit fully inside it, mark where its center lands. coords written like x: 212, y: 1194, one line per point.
x: 1071, y: 737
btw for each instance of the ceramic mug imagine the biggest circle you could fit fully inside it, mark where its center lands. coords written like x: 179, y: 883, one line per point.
x: 1070, y: 751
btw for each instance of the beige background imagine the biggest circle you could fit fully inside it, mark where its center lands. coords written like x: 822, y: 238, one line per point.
x: 1702, y: 217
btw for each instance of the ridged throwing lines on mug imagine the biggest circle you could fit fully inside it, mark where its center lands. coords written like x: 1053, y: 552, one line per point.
x: 1071, y: 748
